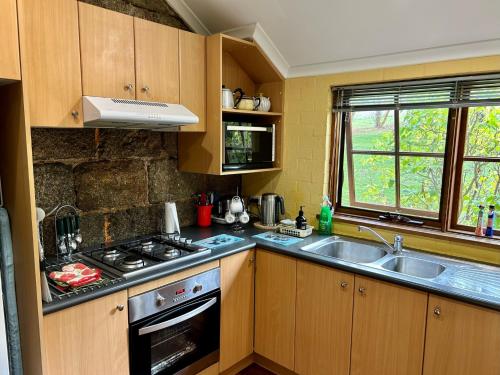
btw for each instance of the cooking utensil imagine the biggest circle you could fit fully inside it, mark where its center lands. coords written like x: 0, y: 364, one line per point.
x: 46, y: 296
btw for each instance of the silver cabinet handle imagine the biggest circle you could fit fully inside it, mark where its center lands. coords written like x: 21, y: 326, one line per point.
x: 437, y: 311
x: 75, y: 114
x: 362, y: 291
x: 179, y: 319
x: 120, y: 307
x: 129, y: 87
x: 344, y: 284
x: 145, y: 89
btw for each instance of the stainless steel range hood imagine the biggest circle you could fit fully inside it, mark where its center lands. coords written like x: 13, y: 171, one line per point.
x: 134, y: 114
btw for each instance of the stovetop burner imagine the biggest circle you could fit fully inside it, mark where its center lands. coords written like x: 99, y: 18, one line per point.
x: 132, y: 262
x: 110, y: 254
x: 130, y: 258
x: 171, y: 253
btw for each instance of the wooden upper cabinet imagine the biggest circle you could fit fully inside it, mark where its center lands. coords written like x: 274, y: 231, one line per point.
x: 50, y: 57
x: 192, y: 56
x: 275, y: 292
x: 156, y: 61
x: 461, y: 339
x: 107, y: 49
x: 91, y: 338
x: 388, y: 329
x: 9, y: 53
x: 237, y: 315
x: 324, y: 320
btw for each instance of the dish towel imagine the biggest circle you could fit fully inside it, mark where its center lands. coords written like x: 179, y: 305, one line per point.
x: 9, y: 295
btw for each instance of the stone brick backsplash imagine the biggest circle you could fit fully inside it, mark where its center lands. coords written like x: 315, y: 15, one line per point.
x: 153, y: 10
x: 118, y: 179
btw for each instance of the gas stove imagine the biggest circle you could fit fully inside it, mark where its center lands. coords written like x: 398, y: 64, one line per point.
x: 134, y: 257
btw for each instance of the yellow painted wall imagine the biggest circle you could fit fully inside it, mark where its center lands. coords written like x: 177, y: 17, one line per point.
x: 307, y: 125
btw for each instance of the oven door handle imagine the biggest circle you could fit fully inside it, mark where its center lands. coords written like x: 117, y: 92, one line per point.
x: 179, y: 319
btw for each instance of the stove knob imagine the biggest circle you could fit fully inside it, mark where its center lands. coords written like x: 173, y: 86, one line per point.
x: 197, y: 288
x: 177, y: 238
x: 189, y: 241
x: 182, y: 240
x: 160, y: 300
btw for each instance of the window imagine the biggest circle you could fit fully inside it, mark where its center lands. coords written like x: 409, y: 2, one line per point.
x: 478, y: 164
x: 422, y: 149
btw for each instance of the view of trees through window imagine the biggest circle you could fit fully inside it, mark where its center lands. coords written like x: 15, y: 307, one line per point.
x: 394, y: 160
x: 480, y: 177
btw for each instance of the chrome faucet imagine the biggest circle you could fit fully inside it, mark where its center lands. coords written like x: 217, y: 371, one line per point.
x: 397, y: 248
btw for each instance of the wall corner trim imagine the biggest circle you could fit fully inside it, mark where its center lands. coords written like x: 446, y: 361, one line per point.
x: 186, y: 13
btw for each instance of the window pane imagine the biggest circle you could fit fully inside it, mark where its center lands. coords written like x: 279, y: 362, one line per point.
x: 483, y: 131
x: 373, y: 130
x: 421, y: 180
x: 423, y: 130
x: 374, y: 177
x: 480, y: 185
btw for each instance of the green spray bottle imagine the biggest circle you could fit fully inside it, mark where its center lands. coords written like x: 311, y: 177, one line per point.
x: 325, y: 217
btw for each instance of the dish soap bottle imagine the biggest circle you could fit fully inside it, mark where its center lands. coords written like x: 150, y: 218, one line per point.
x: 325, y: 217
x: 300, y: 221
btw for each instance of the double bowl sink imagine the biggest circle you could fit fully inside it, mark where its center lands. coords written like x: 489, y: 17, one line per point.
x: 376, y: 256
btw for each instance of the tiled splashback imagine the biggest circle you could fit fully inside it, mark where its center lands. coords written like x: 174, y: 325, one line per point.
x: 119, y: 179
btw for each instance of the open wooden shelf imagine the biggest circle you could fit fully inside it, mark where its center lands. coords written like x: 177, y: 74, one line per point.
x: 252, y: 113
x: 234, y: 63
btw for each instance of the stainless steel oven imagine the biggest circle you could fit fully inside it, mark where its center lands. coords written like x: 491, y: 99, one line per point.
x: 175, y: 329
x: 248, y: 145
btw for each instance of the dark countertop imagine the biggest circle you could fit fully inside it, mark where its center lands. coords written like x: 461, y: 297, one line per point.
x: 467, y: 281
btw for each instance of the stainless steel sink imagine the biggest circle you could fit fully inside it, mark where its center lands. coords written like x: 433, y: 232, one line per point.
x: 414, y: 267
x: 348, y: 251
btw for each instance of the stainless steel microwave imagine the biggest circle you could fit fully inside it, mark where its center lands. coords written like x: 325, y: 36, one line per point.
x: 248, y: 145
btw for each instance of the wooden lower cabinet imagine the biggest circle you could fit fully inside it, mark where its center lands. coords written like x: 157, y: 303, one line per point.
x: 91, y: 338
x: 462, y: 339
x: 212, y: 370
x: 275, y: 296
x: 237, y: 308
x: 324, y: 320
x: 388, y: 329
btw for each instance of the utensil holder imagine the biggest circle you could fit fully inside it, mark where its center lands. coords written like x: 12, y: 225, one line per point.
x: 204, y: 215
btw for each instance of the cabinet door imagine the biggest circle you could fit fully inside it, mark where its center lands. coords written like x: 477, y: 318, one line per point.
x: 237, y: 289
x: 461, y: 339
x: 324, y: 320
x: 51, y: 61
x: 90, y: 338
x: 9, y: 53
x: 388, y: 329
x: 107, y: 48
x: 192, y: 49
x: 156, y: 61
x: 275, y: 292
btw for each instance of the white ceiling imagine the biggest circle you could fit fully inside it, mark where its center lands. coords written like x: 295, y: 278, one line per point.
x: 322, y: 36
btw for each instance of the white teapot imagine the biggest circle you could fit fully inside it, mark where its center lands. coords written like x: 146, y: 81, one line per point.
x: 265, y: 103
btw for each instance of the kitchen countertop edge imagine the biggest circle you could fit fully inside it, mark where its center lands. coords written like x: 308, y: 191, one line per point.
x: 293, y: 251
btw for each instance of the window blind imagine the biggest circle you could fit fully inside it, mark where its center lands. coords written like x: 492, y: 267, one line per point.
x: 450, y: 92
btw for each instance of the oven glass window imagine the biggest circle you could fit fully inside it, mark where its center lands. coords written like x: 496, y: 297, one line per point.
x: 191, y: 339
